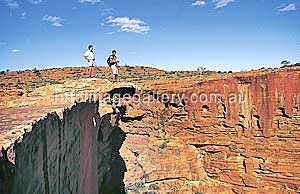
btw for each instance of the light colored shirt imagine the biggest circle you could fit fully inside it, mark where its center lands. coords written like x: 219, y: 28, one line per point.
x: 90, y: 56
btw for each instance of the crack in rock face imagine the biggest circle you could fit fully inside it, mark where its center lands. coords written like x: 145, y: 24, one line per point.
x: 111, y: 166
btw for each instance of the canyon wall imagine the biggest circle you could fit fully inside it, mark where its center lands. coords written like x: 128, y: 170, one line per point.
x: 75, y: 154
x: 224, y: 145
x: 238, y: 133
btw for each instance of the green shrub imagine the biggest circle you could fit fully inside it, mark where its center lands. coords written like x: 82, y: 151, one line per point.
x: 164, y: 145
x: 37, y: 72
x: 137, y: 187
x: 153, y: 187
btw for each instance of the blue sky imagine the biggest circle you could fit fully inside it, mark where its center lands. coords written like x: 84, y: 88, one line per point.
x: 167, y: 34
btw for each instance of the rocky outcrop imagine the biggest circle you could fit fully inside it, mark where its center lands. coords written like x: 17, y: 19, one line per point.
x: 15, y: 119
x: 78, y: 153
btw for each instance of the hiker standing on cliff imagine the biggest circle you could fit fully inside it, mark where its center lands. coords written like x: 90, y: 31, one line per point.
x: 113, y: 62
x: 90, y: 58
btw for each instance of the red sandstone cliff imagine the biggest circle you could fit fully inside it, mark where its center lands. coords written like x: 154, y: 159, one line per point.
x: 76, y: 154
x: 250, y: 145
x: 225, y: 145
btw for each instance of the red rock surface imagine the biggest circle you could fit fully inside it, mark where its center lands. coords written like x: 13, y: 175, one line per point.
x: 250, y: 146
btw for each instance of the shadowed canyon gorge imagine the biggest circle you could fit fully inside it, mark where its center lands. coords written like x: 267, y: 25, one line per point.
x: 179, y: 132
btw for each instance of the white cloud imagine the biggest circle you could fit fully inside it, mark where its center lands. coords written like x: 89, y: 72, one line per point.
x: 199, y: 3
x: 222, y: 3
x: 89, y: 1
x: 3, y: 43
x: 15, y: 50
x: 128, y: 25
x: 35, y: 2
x: 289, y: 7
x: 12, y: 4
x: 54, y: 20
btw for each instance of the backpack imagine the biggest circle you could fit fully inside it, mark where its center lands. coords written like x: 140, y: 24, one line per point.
x: 108, y: 61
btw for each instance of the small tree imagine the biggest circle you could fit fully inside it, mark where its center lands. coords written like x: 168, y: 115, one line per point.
x: 37, y: 72
x: 201, y: 70
x: 285, y: 62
